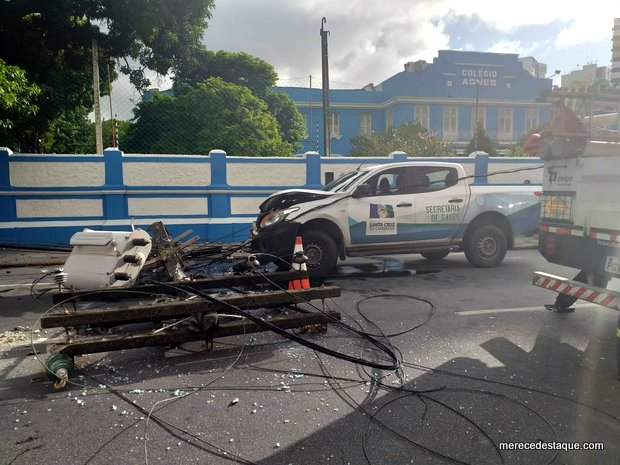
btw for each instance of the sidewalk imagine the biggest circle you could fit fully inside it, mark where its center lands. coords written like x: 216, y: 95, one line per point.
x: 13, y: 258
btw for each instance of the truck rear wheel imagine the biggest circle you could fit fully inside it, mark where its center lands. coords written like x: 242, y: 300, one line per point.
x: 321, y: 251
x: 485, y: 246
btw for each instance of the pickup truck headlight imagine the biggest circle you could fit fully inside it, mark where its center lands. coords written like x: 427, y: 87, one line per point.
x: 275, y: 217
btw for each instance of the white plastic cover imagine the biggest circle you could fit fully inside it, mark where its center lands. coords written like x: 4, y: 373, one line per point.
x: 98, y: 258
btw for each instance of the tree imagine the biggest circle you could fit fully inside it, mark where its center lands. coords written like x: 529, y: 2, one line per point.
x: 17, y: 101
x: 73, y: 132
x: 409, y: 137
x: 213, y: 115
x: 290, y: 120
x: 482, y: 142
x: 52, y: 42
x: 17, y: 95
x: 245, y: 70
x: 235, y: 67
x: 516, y: 151
x: 68, y: 133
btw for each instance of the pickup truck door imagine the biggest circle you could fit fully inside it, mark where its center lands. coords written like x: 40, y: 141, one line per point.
x: 440, y: 202
x: 388, y: 214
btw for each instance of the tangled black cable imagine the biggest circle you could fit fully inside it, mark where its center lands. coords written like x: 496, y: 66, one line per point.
x: 512, y: 385
x: 432, y: 312
x: 422, y: 395
x: 170, y: 427
x: 37, y: 295
x: 392, y: 365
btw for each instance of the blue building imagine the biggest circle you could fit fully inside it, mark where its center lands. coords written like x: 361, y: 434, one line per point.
x: 442, y: 96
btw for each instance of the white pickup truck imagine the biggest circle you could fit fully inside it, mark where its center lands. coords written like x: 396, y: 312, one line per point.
x: 409, y: 207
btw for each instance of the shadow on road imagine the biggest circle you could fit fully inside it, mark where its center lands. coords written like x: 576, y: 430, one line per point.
x: 473, y: 409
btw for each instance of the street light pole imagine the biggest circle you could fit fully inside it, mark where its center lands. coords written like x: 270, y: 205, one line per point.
x: 325, y: 68
x: 477, y: 118
x: 554, y: 74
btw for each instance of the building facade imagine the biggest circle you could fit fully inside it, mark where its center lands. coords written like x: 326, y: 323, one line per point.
x: 534, y: 67
x: 582, y: 79
x: 443, y: 96
x: 615, y: 52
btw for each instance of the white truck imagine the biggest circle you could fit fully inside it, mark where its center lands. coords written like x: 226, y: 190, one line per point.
x: 429, y: 208
x: 580, y: 214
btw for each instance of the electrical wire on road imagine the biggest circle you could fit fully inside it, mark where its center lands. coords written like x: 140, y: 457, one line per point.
x: 341, y: 386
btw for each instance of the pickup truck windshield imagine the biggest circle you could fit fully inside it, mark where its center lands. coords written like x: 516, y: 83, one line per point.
x: 343, y: 182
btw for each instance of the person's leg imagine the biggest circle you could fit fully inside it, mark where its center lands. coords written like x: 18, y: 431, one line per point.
x: 564, y: 301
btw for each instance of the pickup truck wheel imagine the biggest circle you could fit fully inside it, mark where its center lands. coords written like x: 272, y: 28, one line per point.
x: 485, y: 246
x: 436, y: 254
x: 321, y: 251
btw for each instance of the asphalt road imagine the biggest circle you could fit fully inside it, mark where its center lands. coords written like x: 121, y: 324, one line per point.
x: 492, y: 366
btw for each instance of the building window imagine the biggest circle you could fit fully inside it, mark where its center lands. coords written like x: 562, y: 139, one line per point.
x: 508, y: 85
x: 449, y: 83
x: 365, y: 123
x: 450, y: 123
x: 531, y: 119
x: 505, y: 125
x: 421, y: 115
x: 482, y: 118
x: 334, y: 125
x: 389, y: 118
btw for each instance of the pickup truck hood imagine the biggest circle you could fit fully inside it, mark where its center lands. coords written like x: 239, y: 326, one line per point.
x: 288, y: 198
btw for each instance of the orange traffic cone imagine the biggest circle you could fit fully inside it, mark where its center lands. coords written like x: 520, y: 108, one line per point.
x: 305, y: 282
x: 299, y: 264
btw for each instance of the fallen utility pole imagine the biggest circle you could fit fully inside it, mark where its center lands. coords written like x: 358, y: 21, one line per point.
x: 128, y: 340
x: 280, y: 277
x: 177, y: 309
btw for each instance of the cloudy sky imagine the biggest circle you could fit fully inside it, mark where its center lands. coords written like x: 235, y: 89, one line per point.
x: 371, y: 40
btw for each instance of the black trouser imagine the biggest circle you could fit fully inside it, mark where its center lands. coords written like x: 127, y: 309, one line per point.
x: 599, y: 280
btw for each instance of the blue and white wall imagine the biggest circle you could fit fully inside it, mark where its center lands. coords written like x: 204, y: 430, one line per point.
x: 495, y: 83
x: 44, y: 199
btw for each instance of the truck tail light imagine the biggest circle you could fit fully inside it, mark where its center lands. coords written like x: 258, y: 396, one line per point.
x: 556, y: 206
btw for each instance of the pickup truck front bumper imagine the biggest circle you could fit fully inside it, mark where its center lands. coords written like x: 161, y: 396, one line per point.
x: 278, y: 240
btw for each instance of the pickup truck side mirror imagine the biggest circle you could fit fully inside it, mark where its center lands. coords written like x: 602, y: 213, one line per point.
x: 363, y: 190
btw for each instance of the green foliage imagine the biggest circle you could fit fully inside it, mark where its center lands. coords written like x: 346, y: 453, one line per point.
x: 52, y: 42
x: 122, y: 129
x: 69, y: 133
x: 409, y: 137
x: 213, y: 115
x: 17, y: 95
x: 516, y: 150
x: 252, y: 72
x: 74, y: 132
x: 156, y: 34
x: 290, y: 120
x: 482, y: 142
x: 235, y: 67
x: 150, y: 119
